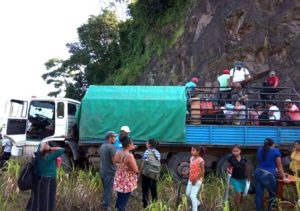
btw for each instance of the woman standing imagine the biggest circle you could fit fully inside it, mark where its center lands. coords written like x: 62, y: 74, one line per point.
x: 237, y: 167
x: 147, y: 182
x: 268, y: 158
x: 295, y: 159
x: 126, y: 174
x: 44, y: 191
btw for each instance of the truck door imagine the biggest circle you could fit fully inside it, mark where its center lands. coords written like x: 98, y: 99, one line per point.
x: 16, y: 120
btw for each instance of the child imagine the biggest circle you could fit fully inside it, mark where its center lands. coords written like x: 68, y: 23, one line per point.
x: 237, y: 169
x: 295, y: 159
x: 149, y: 183
x: 196, y: 175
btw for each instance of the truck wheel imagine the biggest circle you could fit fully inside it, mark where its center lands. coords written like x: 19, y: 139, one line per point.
x: 66, y: 163
x: 222, y: 165
x: 179, y: 163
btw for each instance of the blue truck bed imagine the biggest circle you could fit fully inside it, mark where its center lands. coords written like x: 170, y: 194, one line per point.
x: 242, y: 135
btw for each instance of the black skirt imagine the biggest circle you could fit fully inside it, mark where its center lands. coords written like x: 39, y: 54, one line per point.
x: 43, y: 195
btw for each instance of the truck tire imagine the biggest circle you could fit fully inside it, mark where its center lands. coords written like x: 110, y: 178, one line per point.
x: 178, y: 163
x: 66, y: 163
x: 222, y: 165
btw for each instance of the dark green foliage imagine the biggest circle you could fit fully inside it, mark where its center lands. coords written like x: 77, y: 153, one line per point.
x: 112, y: 52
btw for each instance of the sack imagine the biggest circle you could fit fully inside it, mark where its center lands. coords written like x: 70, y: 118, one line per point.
x: 27, y: 176
x: 206, y: 107
x: 151, y: 167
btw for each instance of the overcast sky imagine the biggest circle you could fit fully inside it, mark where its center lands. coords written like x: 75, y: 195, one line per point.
x: 32, y: 32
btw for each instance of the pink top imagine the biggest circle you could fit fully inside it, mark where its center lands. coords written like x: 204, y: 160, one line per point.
x: 125, y: 179
x: 293, y: 113
x: 195, y: 169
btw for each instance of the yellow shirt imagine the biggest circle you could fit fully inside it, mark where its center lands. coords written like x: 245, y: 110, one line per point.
x: 295, y: 161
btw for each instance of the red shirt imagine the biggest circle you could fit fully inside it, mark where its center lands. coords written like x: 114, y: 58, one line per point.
x: 293, y: 113
x: 273, y: 81
x: 195, y: 170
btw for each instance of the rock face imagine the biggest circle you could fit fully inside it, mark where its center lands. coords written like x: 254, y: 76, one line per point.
x: 262, y: 33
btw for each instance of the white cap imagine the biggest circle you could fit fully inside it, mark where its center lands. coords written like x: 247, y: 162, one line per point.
x: 125, y: 129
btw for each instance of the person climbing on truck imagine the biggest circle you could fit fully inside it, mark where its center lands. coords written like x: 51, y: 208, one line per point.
x: 224, y: 88
x: 237, y: 167
x: 239, y: 77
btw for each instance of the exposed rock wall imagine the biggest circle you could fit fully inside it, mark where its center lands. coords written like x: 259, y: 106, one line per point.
x: 262, y: 33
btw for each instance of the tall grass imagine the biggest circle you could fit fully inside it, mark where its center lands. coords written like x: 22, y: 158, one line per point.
x: 82, y: 190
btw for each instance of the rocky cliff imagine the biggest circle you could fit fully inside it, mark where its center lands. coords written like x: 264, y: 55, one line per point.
x: 262, y: 33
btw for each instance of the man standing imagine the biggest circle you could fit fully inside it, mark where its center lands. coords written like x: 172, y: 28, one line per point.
x: 191, y: 87
x: 239, y: 77
x: 107, y: 168
x: 125, y: 130
x: 224, y: 88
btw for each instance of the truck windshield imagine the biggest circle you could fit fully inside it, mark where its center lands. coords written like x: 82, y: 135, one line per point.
x: 40, y: 108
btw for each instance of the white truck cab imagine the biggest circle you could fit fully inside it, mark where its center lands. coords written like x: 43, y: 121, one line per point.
x: 28, y: 122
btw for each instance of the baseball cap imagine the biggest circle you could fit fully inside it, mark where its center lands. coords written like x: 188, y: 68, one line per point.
x: 195, y: 79
x: 110, y: 134
x: 272, y: 72
x: 288, y: 100
x: 238, y: 64
x: 226, y: 71
x: 125, y: 129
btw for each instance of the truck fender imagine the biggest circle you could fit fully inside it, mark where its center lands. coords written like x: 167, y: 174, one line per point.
x: 74, y: 148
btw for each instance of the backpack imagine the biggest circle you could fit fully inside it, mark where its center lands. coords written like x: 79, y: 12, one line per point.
x: 28, y: 175
x: 151, y: 167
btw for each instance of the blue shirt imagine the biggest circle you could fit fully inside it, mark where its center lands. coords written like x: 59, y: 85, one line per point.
x: 118, y: 144
x: 190, y: 86
x: 270, y: 163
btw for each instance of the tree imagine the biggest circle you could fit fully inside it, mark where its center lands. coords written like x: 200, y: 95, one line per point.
x: 92, y: 59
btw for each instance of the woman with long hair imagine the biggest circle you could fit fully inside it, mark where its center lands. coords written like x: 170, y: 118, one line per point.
x: 126, y: 174
x: 44, y: 191
x: 269, y: 159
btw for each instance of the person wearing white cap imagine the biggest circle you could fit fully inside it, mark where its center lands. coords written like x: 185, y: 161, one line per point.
x: 270, y: 85
x: 125, y: 130
x: 293, y: 113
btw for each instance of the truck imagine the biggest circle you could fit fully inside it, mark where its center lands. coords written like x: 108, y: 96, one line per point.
x: 164, y: 113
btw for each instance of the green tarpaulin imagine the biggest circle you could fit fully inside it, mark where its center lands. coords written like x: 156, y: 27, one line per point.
x: 157, y: 112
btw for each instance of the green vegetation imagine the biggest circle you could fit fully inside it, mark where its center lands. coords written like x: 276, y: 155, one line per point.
x: 81, y: 190
x: 113, y: 52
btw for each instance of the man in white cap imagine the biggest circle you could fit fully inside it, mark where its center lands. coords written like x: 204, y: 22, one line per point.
x: 107, y: 168
x: 125, y: 130
x: 270, y: 86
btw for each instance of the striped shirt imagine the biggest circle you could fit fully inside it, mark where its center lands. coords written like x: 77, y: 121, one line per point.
x: 156, y: 153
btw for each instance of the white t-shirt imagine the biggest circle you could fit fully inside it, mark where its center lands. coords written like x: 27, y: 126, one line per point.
x: 239, y: 75
x: 276, y: 113
x: 6, y: 143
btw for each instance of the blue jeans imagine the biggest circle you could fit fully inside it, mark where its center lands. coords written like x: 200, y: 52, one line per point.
x: 122, y: 200
x: 264, y: 180
x: 192, y: 192
x: 108, y: 182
